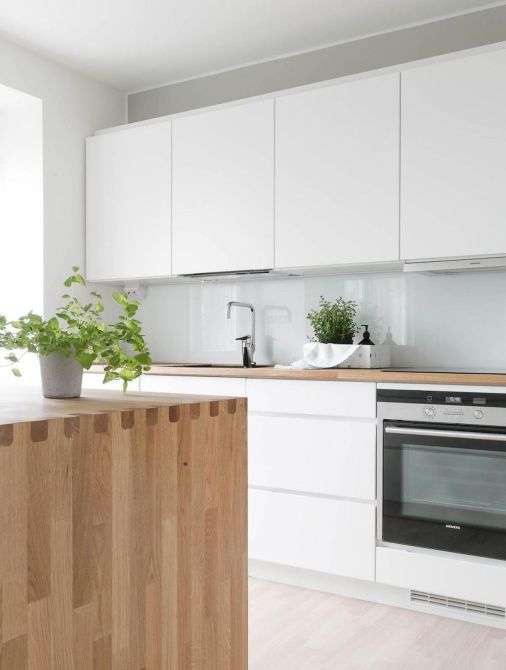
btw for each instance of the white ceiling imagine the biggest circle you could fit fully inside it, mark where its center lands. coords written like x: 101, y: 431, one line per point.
x: 134, y: 44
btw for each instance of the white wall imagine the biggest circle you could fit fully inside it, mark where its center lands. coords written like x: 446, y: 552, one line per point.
x: 74, y: 106
x: 21, y: 212
x: 448, y: 320
x: 21, y: 203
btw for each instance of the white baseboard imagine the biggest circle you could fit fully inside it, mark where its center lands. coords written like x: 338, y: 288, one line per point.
x: 362, y: 590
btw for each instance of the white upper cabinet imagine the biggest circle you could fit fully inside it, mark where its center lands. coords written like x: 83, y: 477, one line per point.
x: 337, y: 174
x: 223, y: 189
x: 128, y: 203
x: 454, y: 158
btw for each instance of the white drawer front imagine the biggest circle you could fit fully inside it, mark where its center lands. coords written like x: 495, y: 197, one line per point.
x: 225, y: 386
x: 332, y: 536
x: 350, y: 399
x: 444, y: 576
x: 315, y: 455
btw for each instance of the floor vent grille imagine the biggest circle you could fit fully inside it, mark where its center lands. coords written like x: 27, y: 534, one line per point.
x: 457, y: 604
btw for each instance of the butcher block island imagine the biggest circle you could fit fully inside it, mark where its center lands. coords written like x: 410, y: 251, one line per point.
x: 123, y: 532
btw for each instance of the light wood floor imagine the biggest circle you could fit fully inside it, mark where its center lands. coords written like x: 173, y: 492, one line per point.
x: 298, y: 629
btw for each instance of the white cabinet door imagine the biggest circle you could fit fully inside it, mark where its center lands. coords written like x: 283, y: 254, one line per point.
x: 314, y: 455
x: 333, y: 398
x: 223, y: 189
x: 337, y: 174
x: 128, y: 203
x: 332, y: 536
x: 453, y: 158
x: 221, y: 386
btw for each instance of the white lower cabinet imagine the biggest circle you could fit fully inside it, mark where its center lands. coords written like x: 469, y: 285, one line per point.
x: 329, y: 398
x: 323, y: 455
x: 224, y: 386
x: 312, y: 475
x: 331, y: 536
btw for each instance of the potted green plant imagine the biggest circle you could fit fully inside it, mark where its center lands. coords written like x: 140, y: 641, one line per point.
x: 334, y: 327
x: 75, y: 338
x: 334, y: 322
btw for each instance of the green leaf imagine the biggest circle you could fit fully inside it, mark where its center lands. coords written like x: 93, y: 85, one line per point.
x: 120, y: 298
x: 143, y: 359
x: 16, y: 372
x: 131, y: 309
x: 75, y: 268
x: 12, y: 358
x: 86, y: 359
x: 109, y: 377
x: 128, y: 375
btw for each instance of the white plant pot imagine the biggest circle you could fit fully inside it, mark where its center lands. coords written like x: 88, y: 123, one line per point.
x: 61, y: 377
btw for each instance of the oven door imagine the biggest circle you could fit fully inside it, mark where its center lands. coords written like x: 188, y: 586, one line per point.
x: 444, y: 487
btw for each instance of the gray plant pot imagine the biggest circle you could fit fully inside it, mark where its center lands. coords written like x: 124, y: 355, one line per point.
x: 61, y: 377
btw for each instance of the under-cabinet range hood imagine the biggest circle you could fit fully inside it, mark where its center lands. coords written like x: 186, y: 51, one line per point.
x: 243, y: 275
x: 455, y: 266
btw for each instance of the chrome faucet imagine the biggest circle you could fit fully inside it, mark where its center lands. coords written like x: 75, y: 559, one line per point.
x: 247, y: 341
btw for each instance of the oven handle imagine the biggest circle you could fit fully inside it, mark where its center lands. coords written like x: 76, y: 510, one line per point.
x: 494, y: 437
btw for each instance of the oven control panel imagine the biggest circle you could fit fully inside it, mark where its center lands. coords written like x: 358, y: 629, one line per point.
x: 480, y: 407
x: 435, y: 402
x: 429, y: 412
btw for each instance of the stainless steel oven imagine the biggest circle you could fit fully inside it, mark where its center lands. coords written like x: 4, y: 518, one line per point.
x: 442, y: 470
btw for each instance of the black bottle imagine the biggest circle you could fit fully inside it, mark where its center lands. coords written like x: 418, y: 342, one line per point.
x: 366, y: 335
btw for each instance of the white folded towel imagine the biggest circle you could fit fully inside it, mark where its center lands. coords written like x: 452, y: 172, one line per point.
x: 319, y: 356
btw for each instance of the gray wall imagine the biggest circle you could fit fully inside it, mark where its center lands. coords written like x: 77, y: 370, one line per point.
x: 401, y: 46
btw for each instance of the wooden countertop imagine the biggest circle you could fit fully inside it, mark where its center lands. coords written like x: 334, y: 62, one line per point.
x: 27, y: 404
x: 342, y: 374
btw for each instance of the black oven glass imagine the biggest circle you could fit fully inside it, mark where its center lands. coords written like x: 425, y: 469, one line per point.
x: 445, y: 488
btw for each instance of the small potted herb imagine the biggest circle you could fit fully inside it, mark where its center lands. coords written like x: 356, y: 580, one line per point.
x: 334, y: 322
x: 75, y: 338
x: 334, y: 326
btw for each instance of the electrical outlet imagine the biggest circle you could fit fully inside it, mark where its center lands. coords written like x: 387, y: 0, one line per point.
x: 136, y: 290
